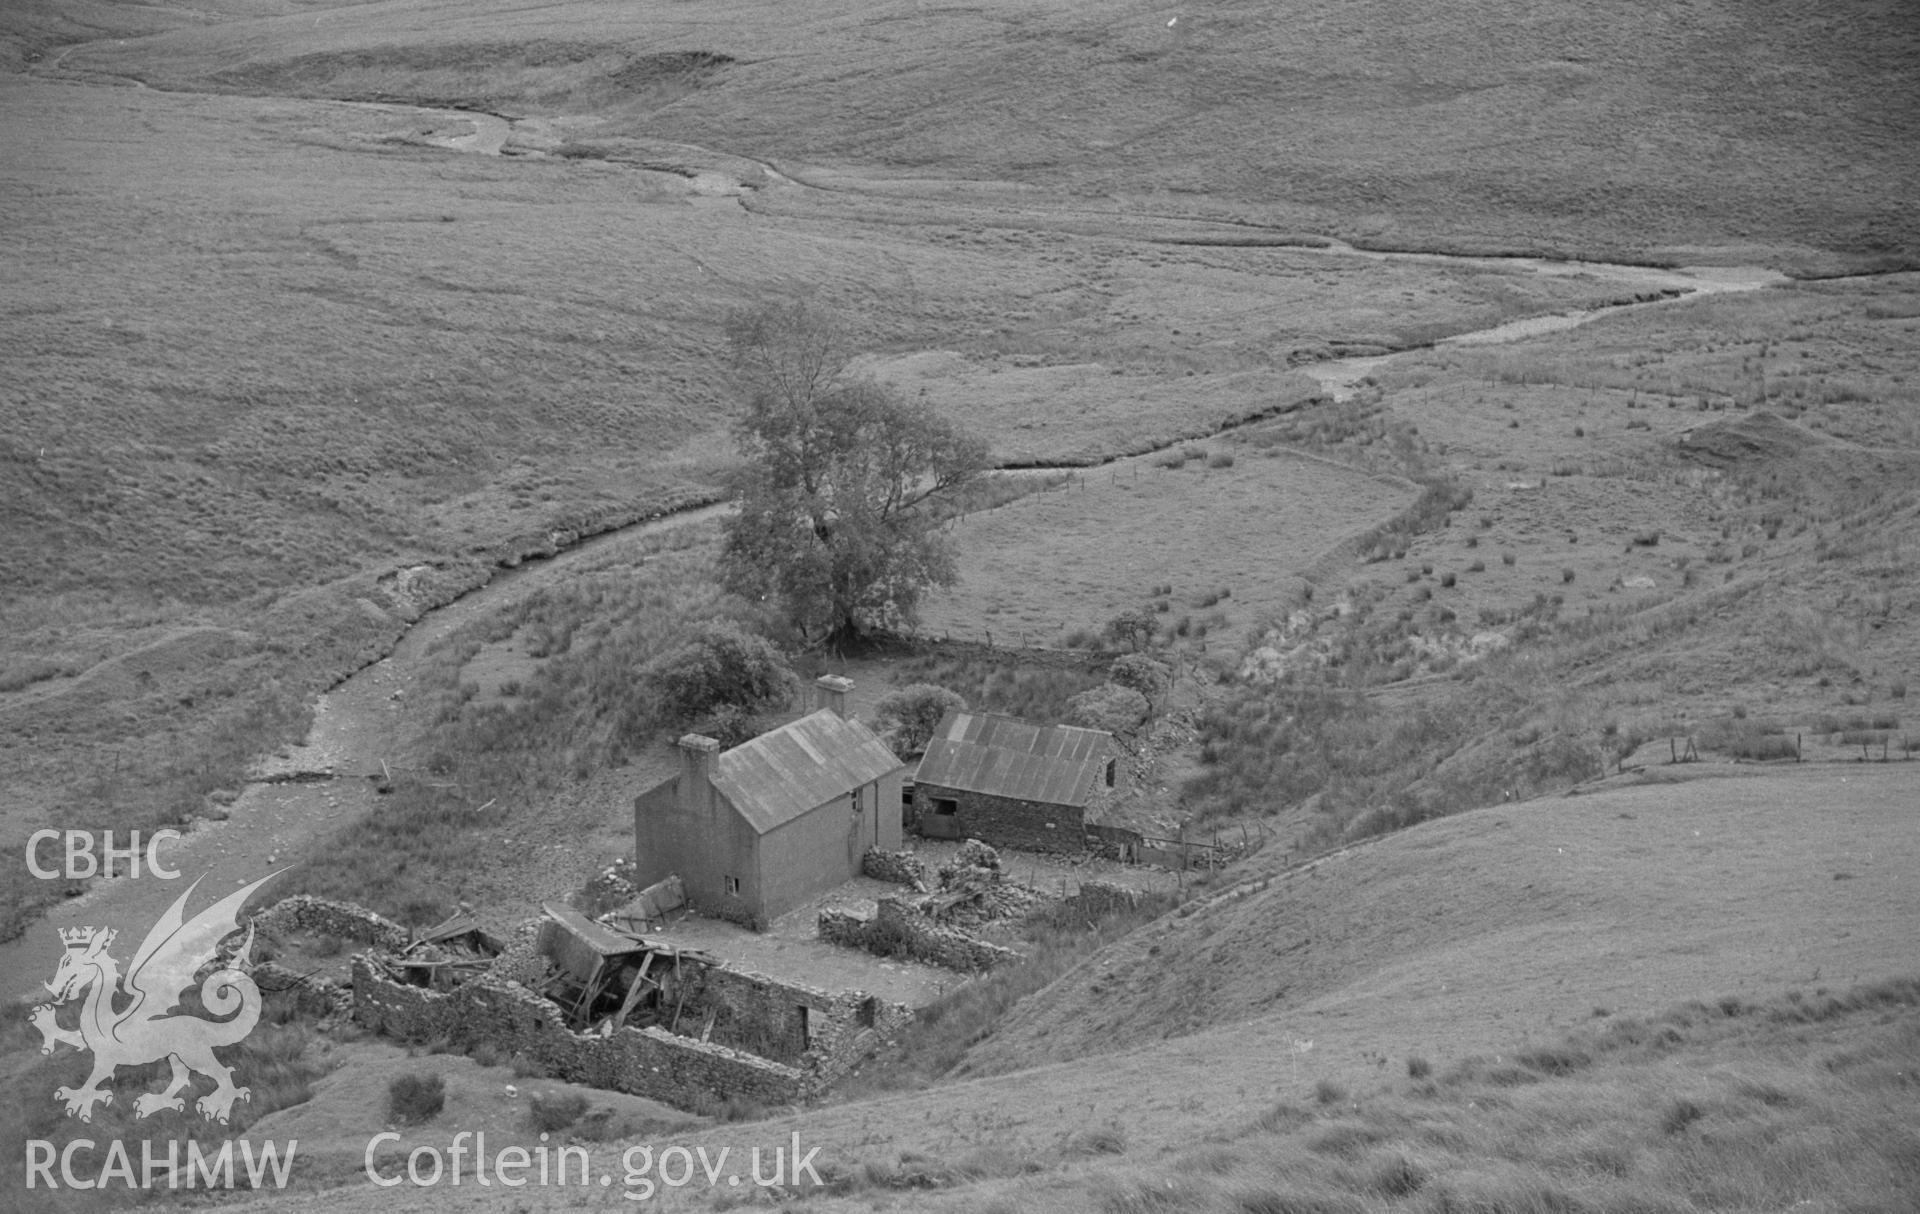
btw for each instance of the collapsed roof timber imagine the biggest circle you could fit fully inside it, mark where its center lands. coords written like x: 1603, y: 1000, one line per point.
x: 596, y: 1005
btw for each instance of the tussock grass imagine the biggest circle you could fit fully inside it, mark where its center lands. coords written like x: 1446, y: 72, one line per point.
x: 549, y: 1112
x: 1744, y: 739
x: 1368, y: 763
x: 1732, y: 1105
x: 415, y: 1098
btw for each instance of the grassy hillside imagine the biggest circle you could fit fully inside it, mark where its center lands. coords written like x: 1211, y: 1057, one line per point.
x: 1548, y: 908
x: 1590, y: 127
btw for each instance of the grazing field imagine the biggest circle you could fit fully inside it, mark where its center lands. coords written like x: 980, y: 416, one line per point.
x: 1216, y: 544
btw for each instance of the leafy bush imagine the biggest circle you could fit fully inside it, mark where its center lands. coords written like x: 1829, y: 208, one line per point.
x: 1140, y: 673
x: 412, y: 1099
x: 1133, y: 628
x: 731, y: 725
x: 912, y: 713
x: 1110, y: 707
x: 722, y: 666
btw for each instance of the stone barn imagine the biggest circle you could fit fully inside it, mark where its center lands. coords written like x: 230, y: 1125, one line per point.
x: 1010, y: 783
x: 760, y: 829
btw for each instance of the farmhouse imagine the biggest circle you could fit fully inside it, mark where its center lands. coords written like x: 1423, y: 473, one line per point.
x: 757, y: 830
x: 1010, y: 783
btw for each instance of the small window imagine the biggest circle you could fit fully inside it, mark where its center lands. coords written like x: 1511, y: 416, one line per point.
x: 864, y: 1016
x: 733, y: 887
x: 806, y: 1030
x: 1110, y: 763
x: 945, y: 807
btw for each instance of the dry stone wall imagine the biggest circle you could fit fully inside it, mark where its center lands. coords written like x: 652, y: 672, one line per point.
x: 650, y: 1062
x: 898, y: 867
x: 341, y: 920
x: 768, y: 1041
x: 897, y: 929
x: 1102, y: 898
x: 1008, y: 821
x: 824, y: 1032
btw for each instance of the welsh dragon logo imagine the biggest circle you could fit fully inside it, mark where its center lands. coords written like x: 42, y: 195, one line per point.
x: 148, y: 1025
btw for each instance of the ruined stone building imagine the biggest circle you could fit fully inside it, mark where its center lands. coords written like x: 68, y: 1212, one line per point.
x: 619, y: 1011
x: 1010, y: 783
x: 760, y: 829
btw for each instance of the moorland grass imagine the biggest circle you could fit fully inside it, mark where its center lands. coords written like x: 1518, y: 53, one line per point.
x: 1732, y: 1106
x: 153, y: 779
x: 1196, y: 112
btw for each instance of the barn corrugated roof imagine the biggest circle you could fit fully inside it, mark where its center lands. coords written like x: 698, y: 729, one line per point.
x: 784, y: 773
x: 1005, y: 757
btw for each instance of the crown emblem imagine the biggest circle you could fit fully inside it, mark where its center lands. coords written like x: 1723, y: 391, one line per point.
x: 75, y: 937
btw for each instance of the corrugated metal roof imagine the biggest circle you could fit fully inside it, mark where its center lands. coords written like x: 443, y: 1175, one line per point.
x: 784, y: 773
x: 598, y: 937
x: 1004, y: 757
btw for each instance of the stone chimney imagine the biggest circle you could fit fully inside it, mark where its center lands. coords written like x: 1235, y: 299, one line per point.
x: 696, y: 771
x: 830, y: 692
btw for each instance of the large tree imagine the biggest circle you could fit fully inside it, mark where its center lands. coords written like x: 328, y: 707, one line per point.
x: 839, y: 482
